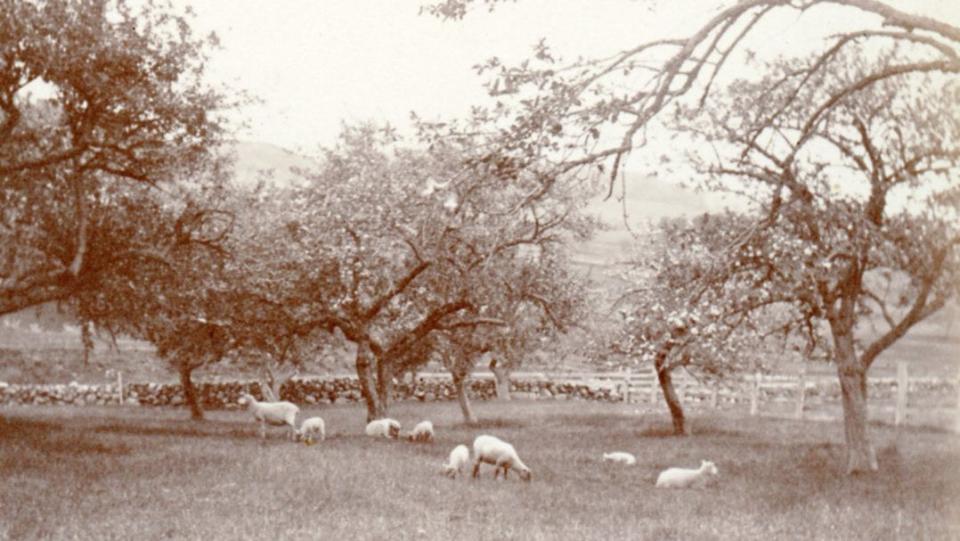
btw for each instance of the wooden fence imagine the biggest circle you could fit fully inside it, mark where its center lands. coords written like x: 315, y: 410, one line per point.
x: 638, y: 386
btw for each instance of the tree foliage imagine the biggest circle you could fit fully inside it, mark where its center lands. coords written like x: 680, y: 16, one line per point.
x: 102, y: 108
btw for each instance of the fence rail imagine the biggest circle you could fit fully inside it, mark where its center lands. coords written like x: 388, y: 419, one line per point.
x: 642, y: 386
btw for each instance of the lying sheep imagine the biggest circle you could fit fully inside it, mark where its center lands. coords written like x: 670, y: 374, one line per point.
x: 458, y: 459
x: 684, y: 477
x: 620, y: 457
x: 386, y: 428
x: 273, y: 413
x: 310, y: 428
x: 423, y: 432
x: 502, y: 455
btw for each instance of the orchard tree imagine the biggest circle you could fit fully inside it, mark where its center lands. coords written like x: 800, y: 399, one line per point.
x: 390, y: 245
x: 567, y: 116
x: 102, y: 109
x: 684, y: 309
x: 858, y: 217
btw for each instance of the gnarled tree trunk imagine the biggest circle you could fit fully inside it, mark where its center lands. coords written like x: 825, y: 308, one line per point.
x: 369, y: 386
x: 502, y: 375
x: 665, y: 378
x: 460, y: 384
x: 185, y: 370
x: 861, y: 456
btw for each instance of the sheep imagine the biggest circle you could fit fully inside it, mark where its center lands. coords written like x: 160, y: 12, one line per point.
x: 458, y: 459
x: 422, y: 432
x: 684, y: 477
x: 620, y: 457
x: 492, y: 450
x: 310, y: 428
x: 387, y: 428
x: 273, y: 413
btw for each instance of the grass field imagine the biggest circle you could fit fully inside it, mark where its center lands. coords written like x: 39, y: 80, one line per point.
x: 125, y: 473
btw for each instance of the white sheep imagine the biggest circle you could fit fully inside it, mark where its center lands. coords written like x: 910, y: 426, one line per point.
x: 386, y: 428
x: 312, y: 427
x: 273, y: 413
x: 493, y: 450
x: 457, y: 460
x: 422, y: 432
x: 620, y: 457
x: 685, y: 477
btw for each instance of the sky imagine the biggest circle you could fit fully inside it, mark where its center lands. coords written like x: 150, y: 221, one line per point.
x: 314, y: 64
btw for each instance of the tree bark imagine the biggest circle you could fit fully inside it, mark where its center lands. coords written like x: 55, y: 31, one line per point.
x: 368, y: 389
x: 460, y: 384
x: 384, y: 384
x: 502, y: 375
x: 861, y: 456
x: 665, y: 378
x: 189, y: 391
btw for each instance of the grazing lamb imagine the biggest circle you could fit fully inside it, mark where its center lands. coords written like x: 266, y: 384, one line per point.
x: 385, y: 428
x: 273, y: 413
x: 423, y: 432
x: 493, y: 450
x: 458, y: 459
x: 620, y: 457
x: 310, y: 428
x: 684, y: 477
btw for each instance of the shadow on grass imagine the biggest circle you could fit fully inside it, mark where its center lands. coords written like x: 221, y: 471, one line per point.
x: 184, y: 429
x: 700, y: 430
x: 45, y: 438
x: 495, y: 422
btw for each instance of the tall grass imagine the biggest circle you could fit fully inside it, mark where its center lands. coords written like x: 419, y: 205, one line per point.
x: 124, y: 473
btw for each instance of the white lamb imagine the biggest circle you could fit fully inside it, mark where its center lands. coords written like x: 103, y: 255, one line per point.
x: 458, y: 459
x: 493, y: 450
x: 312, y: 427
x: 685, y: 477
x: 422, y: 432
x: 273, y: 413
x: 385, y: 428
x: 620, y: 457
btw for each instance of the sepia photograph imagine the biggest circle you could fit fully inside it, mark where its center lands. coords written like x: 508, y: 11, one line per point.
x: 480, y: 270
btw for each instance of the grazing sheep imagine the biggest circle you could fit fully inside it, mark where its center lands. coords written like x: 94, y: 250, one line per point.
x: 310, y: 428
x: 273, y: 413
x: 620, y: 457
x: 458, y: 459
x: 422, y: 432
x: 493, y: 450
x: 386, y: 428
x: 684, y: 477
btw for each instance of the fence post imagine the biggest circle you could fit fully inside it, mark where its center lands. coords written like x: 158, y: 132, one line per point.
x: 714, y: 394
x: 801, y: 392
x: 626, y: 386
x: 653, y: 389
x: 119, y: 387
x: 900, y: 413
x: 755, y: 395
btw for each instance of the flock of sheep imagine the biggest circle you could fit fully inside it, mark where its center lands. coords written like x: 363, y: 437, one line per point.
x: 486, y: 449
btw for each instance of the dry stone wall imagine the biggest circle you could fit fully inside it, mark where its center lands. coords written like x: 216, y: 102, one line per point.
x: 338, y: 389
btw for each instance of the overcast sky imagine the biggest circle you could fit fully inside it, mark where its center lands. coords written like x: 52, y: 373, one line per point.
x: 315, y: 63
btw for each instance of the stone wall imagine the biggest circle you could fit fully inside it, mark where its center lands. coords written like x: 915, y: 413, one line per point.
x: 338, y: 389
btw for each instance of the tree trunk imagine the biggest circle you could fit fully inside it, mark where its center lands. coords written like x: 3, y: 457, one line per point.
x: 665, y: 378
x: 502, y: 375
x: 460, y: 384
x: 861, y: 456
x: 189, y: 391
x: 368, y: 388
x: 384, y: 384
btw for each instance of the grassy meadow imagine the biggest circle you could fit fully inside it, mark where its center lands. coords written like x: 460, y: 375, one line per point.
x: 146, y: 473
